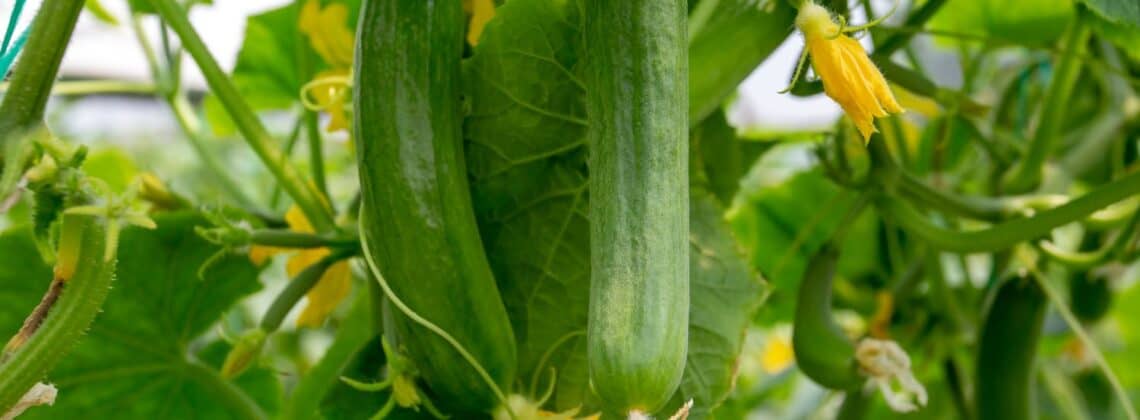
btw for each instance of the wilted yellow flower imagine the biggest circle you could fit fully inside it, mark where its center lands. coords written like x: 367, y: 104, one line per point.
x: 332, y: 39
x: 848, y: 75
x: 334, y: 284
x: 481, y: 12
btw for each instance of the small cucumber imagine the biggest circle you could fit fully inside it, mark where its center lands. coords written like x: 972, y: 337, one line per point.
x: 1090, y: 296
x: 420, y: 224
x: 1006, y: 350
x: 823, y: 352
x: 82, y: 280
x: 637, y: 106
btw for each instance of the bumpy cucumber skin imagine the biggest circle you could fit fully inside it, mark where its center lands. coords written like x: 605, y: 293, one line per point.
x: 1006, y: 350
x: 414, y: 187
x: 823, y: 352
x: 78, y: 304
x: 637, y: 105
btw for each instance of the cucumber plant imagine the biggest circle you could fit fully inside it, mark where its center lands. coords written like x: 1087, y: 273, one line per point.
x: 560, y: 209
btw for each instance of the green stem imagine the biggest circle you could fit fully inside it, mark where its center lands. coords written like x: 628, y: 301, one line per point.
x: 297, y: 288
x: 305, y: 195
x: 351, y: 337
x: 292, y: 239
x: 67, y: 318
x: 290, y: 144
x: 95, y: 87
x: 1027, y: 174
x: 226, y: 393
x: 190, y: 126
x: 1007, y: 234
x: 175, y: 98
x: 34, y: 73
x: 316, y: 152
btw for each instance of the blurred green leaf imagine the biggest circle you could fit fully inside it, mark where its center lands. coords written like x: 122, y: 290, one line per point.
x: 143, y: 358
x: 1126, y: 12
x: 1032, y: 22
x: 113, y: 166
x: 782, y: 223
x: 100, y: 12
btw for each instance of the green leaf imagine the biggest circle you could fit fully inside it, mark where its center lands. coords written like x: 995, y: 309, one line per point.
x: 526, y: 154
x: 785, y: 220
x: 1033, y: 22
x: 145, y: 356
x: 1126, y: 12
x: 1125, y: 37
x: 267, y: 72
x: 721, y: 156
x: 113, y: 166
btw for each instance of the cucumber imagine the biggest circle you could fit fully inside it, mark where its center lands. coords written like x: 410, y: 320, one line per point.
x: 637, y: 105
x: 82, y: 280
x: 1090, y: 296
x: 823, y: 352
x: 1006, y: 350
x: 420, y: 224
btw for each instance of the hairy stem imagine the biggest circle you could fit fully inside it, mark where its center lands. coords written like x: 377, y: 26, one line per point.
x: 32, y: 78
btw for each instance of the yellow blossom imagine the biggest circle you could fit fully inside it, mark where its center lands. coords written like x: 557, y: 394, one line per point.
x: 332, y: 39
x: 334, y: 284
x: 481, y: 12
x: 777, y: 353
x: 847, y: 73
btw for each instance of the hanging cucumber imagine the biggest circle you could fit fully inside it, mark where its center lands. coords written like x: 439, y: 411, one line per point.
x: 1090, y: 296
x: 823, y: 352
x: 82, y: 278
x: 637, y: 105
x: 1006, y: 350
x: 418, y: 218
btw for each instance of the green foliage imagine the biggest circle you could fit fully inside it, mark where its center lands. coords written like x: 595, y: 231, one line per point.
x: 1035, y: 22
x: 146, y: 355
x: 785, y: 219
x: 1126, y: 12
x: 526, y: 153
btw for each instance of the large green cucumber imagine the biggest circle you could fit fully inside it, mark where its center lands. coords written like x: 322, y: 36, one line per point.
x: 1007, y: 349
x: 420, y: 224
x: 637, y: 105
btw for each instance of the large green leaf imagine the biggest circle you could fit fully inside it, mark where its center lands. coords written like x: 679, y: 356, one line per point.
x: 1125, y: 12
x: 526, y: 154
x: 143, y: 357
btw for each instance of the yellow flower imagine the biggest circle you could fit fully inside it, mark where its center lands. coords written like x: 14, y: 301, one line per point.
x: 334, y: 284
x: 848, y: 75
x: 328, y: 32
x: 777, y: 353
x: 332, y: 39
x: 481, y: 12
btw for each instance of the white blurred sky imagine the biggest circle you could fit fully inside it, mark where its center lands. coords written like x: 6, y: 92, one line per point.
x: 102, y: 51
